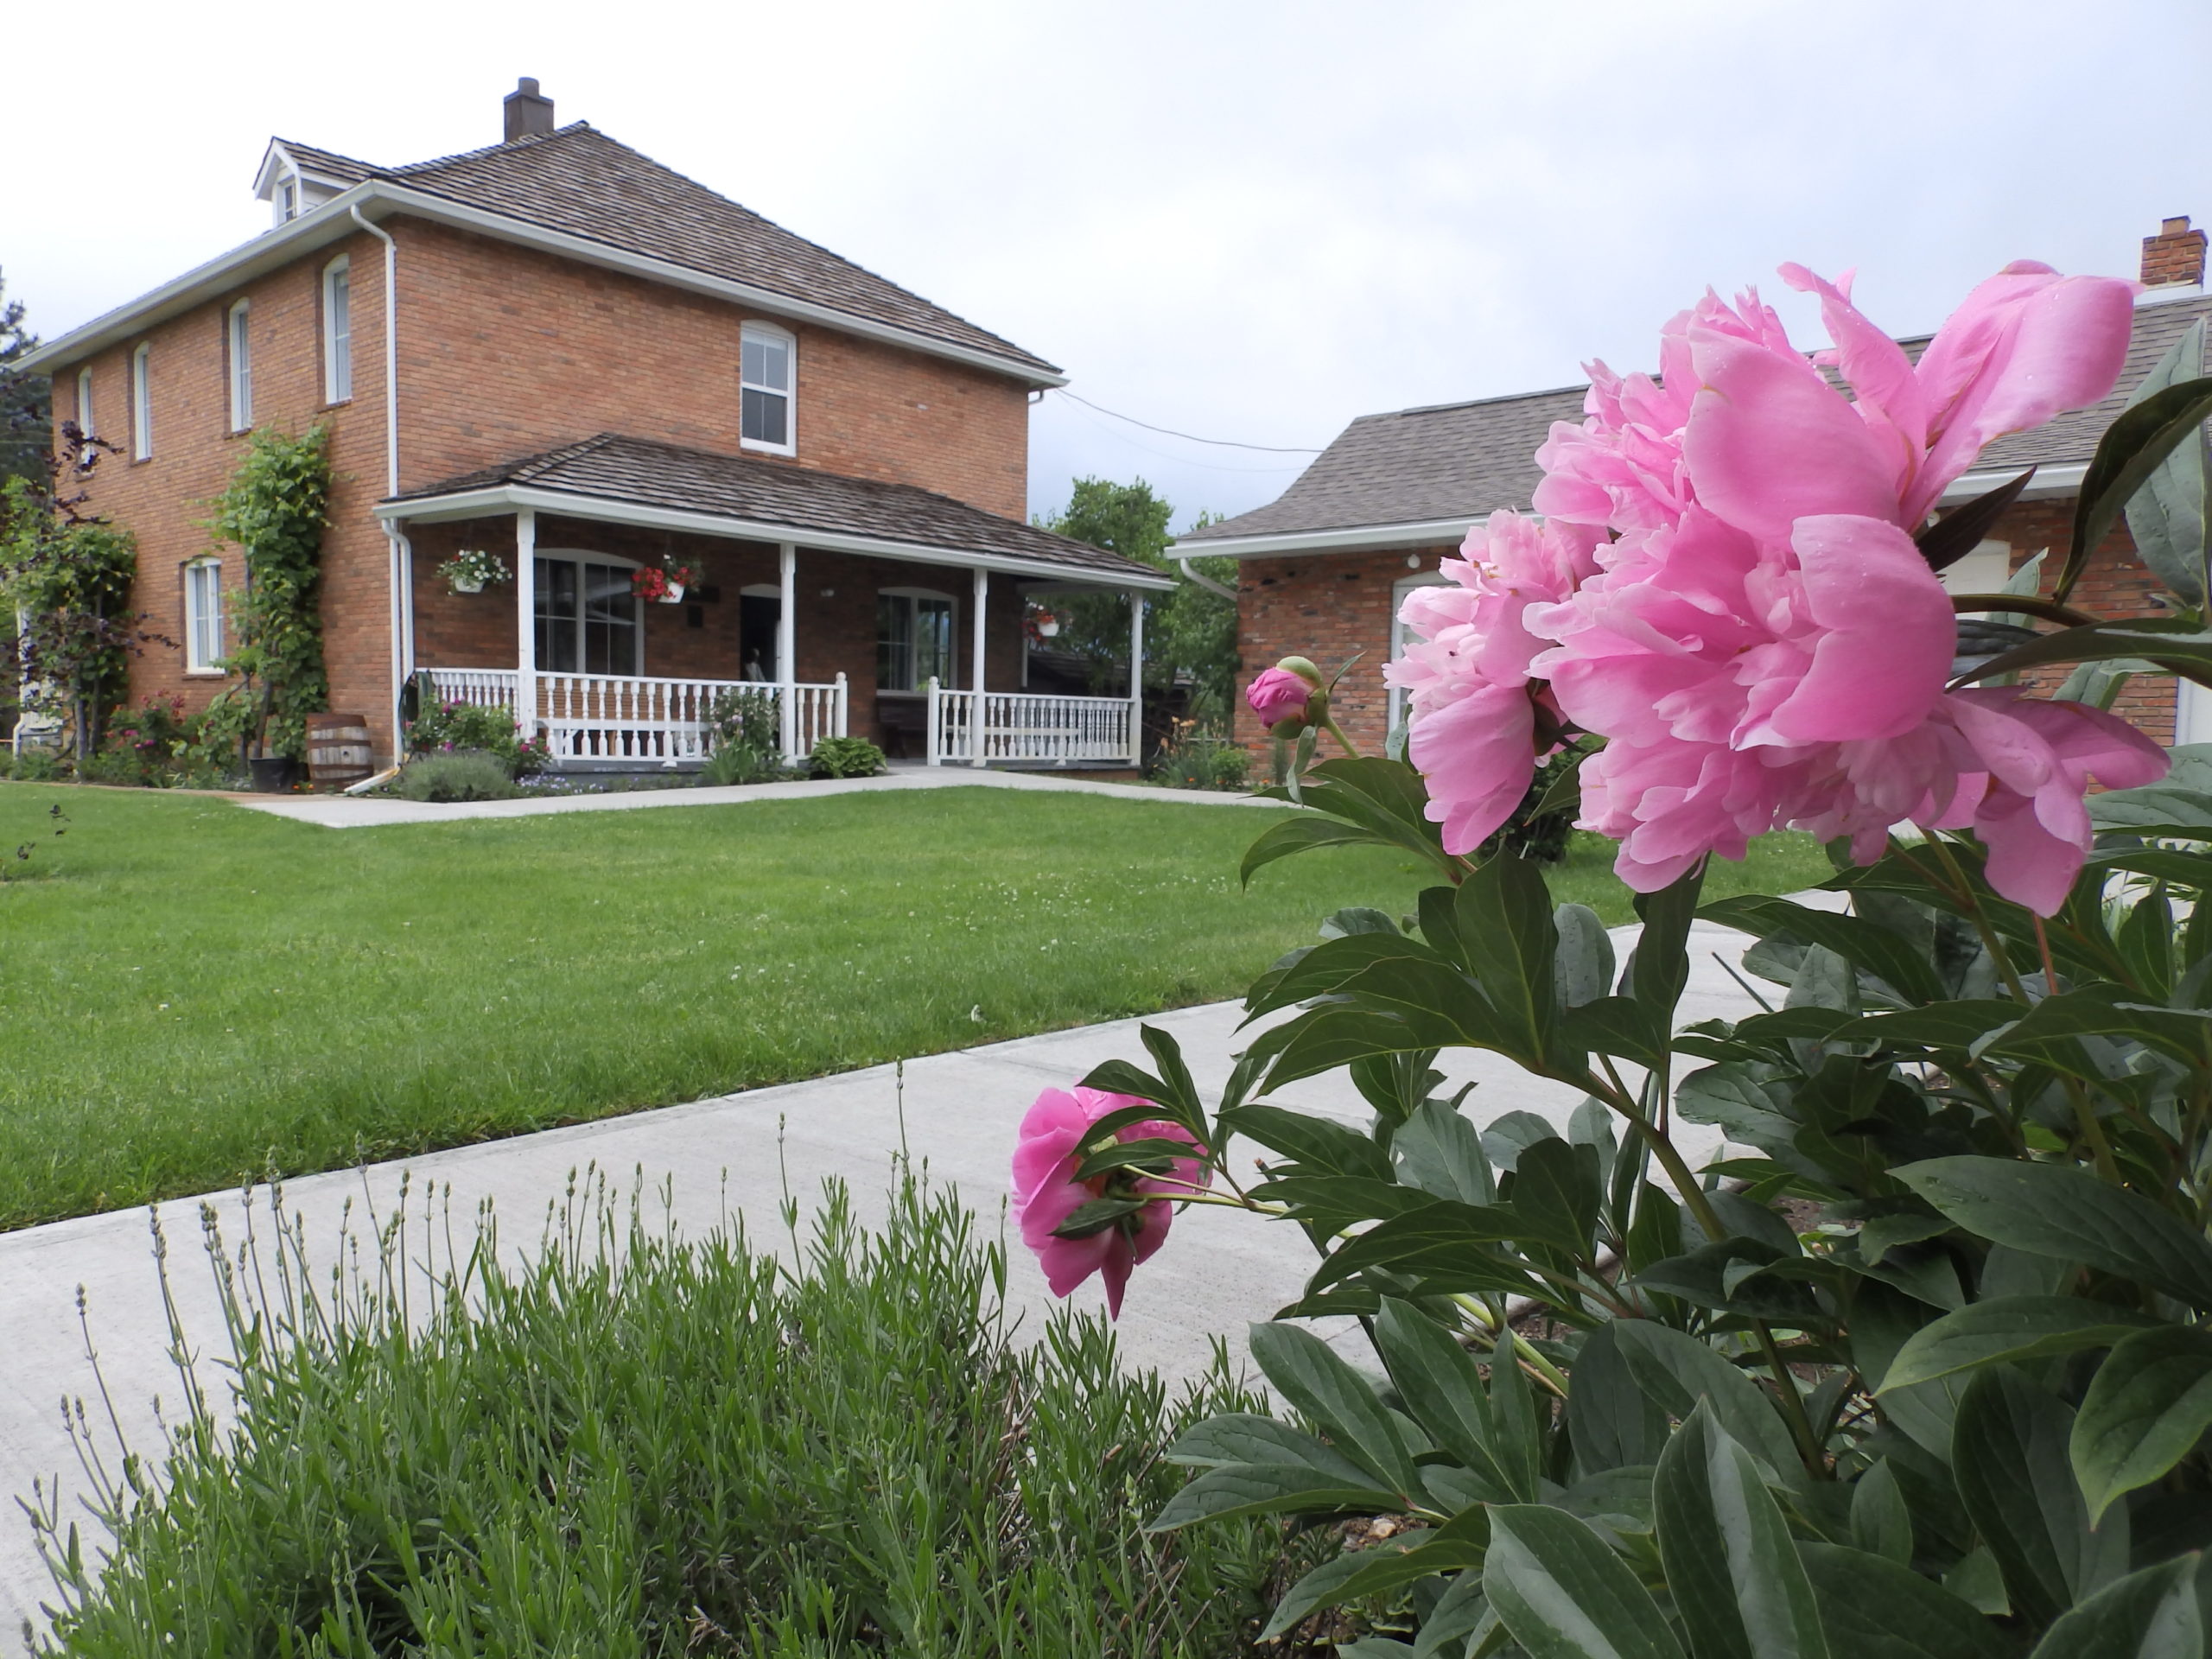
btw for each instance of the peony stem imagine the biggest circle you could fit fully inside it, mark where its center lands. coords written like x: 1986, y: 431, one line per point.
x: 1329, y: 725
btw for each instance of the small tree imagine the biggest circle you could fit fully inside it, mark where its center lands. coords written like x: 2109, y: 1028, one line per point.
x: 26, y: 399
x: 65, y: 575
x: 1190, y: 630
x: 275, y: 510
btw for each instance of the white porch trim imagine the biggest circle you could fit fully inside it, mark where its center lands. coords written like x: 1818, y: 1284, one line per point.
x: 635, y: 717
x: 982, y: 729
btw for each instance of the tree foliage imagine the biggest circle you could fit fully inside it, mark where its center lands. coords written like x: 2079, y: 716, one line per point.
x: 26, y: 399
x: 275, y: 510
x: 1189, y: 631
x: 66, y: 576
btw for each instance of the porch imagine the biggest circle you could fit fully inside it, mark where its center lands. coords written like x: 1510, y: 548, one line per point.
x: 631, y: 720
x: 841, y: 626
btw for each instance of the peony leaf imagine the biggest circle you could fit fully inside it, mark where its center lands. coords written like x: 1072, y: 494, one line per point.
x: 2166, y: 516
x: 2148, y: 1406
x: 1732, y: 1567
x: 2132, y: 448
x: 1308, y: 1373
x: 1563, y: 1594
x: 2008, y: 1328
x: 1876, y: 1609
x: 2154, y: 1614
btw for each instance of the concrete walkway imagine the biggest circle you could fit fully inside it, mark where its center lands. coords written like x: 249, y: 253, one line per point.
x: 356, y: 812
x: 733, y: 1156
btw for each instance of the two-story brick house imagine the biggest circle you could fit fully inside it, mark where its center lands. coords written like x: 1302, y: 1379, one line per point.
x: 1326, y: 567
x: 560, y: 352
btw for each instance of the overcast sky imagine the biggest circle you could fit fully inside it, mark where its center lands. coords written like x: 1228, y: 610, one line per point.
x: 1247, y: 221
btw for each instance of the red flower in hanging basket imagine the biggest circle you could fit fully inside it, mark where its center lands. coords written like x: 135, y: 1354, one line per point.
x: 661, y: 582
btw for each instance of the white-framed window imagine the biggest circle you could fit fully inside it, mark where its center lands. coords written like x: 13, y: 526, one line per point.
x: 85, y: 401
x: 767, y: 372
x: 914, y: 631
x: 337, y: 331
x: 287, y: 199
x: 589, y: 622
x: 142, y: 404
x: 1399, y: 589
x: 241, y: 356
x: 203, y: 616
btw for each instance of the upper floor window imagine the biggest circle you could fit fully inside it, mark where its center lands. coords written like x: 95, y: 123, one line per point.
x: 288, y: 199
x: 142, y: 404
x: 765, y: 378
x: 241, y: 355
x: 84, y: 401
x: 203, y: 616
x: 336, y: 331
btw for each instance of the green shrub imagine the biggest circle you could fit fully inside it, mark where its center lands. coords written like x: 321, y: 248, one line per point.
x: 461, y: 775
x: 1189, y: 758
x: 746, y: 731
x: 639, y: 1447
x: 445, y: 727
x: 37, y: 765
x: 846, y: 757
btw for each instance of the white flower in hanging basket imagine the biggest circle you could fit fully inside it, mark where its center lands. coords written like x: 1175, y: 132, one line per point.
x: 469, y: 570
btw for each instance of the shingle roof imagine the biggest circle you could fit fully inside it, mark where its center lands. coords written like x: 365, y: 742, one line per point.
x: 1454, y: 461
x: 1461, y: 461
x: 581, y: 182
x: 330, y: 163
x: 644, y: 473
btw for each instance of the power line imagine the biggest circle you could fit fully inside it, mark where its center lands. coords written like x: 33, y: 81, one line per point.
x: 1222, y: 443
x: 1276, y: 471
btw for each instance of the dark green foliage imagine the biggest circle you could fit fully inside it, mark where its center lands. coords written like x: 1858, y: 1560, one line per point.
x: 639, y: 1447
x: 457, y: 775
x: 1537, y: 832
x: 1967, y: 1375
x: 1192, y: 630
x: 26, y: 399
x: 845, y: 757
x: 68, y: 577
x: 275, y: 509
x: 1190, y: 759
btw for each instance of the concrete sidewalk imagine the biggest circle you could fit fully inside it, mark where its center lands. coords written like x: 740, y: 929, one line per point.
x: 732, y: 1155
x: 356, y: 812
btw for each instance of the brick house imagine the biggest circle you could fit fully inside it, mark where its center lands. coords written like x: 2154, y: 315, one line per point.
x: 1324, y: 567
x: 559, y: 352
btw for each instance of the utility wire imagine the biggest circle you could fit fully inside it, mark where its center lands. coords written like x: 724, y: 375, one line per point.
x: 1275, y: 471
x: 1222, y: 443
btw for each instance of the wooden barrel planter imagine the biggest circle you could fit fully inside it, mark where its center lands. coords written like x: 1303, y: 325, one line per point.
x: 337, y: 749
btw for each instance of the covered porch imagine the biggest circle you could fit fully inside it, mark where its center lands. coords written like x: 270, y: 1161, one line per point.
x: 848, y: 607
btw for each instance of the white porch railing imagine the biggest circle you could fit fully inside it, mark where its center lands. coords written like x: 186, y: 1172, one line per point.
x: 630, y: 717
x: 976, y: 729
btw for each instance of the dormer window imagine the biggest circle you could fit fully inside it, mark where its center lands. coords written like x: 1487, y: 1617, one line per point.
x: 768, y: 360
x: 288, y: 199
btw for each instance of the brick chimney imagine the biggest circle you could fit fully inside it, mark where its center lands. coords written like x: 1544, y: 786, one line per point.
x: 2174, y: 256
x: 530, y: 115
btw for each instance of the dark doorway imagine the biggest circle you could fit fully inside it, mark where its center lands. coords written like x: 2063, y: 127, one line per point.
x: 758, y: 617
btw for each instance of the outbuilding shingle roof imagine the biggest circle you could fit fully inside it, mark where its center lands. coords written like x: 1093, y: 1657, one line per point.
x: 579, y: 182
x: 641, y: 472
x: 1462, y: 460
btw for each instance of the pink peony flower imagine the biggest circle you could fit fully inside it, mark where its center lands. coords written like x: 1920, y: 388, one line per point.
x: 1744, y: 617
x: 1277, y: 695
x: 1050, y: 1146
x: 1474, y: 708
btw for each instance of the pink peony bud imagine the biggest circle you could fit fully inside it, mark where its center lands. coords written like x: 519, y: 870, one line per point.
x: 1051, y: 1144
x: 1277, y: 695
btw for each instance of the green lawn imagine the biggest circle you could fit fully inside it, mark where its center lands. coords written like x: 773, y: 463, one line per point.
x: 191, y: 993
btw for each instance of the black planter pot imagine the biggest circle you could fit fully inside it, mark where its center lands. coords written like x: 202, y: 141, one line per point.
x: 272, y: 774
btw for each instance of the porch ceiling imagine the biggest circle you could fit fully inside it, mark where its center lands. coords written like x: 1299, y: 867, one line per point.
x: 624, y: 481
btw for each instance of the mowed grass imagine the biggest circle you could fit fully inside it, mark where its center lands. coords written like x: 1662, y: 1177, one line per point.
x: 192, y: 993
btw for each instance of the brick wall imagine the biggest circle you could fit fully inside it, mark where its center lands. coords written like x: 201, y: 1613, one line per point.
x: 162, y: 500
x: 505, y: 351
x: 501, y: 352
x: 1328, y: 608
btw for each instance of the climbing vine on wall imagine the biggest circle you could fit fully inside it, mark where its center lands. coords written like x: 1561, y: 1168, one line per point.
x: 275, y: 510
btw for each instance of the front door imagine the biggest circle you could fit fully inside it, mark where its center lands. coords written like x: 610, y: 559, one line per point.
x: 760, y: 625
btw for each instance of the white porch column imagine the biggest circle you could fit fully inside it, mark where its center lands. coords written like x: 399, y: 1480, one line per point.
x: 975, y: 655
x: 787, y: 647
x: 1136, y: 676
x: 526, y: 620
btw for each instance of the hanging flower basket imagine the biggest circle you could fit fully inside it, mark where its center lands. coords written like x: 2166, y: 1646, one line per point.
x: 471, y: 570
x: 663, y: 584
